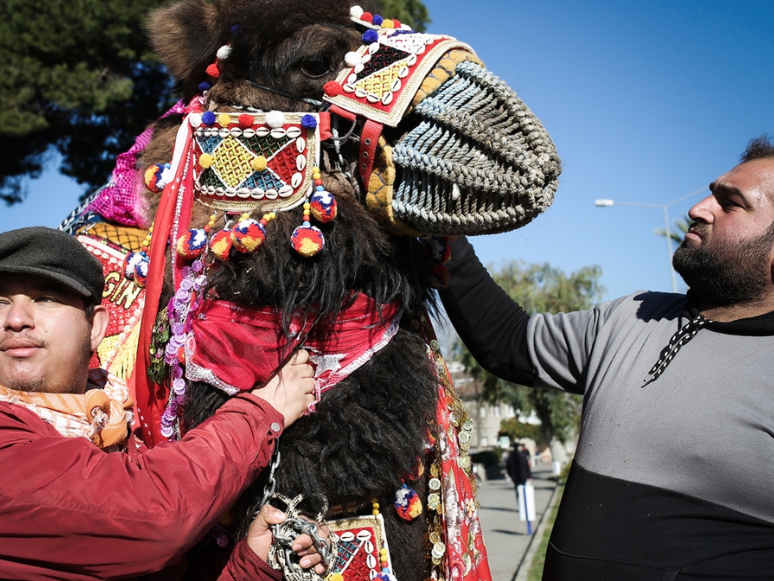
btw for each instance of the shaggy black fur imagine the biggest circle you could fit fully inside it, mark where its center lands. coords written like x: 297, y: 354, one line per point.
x: 370, y: 431
x: 358, y: 255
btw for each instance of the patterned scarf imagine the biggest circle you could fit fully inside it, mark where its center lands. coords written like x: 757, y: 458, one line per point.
x: 102, y: 414
x: 235, y: 348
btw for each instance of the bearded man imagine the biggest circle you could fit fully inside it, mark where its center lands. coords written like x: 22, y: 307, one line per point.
x: 674, y: 387
x: 79, y: 497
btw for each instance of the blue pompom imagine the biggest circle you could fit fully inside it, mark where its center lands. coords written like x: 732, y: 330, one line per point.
x: 308, y: 121
x: 235, y: 29
x: 370, y: 36
x: 208, y: 118
x: 378, y: 20
x: 204, y: 86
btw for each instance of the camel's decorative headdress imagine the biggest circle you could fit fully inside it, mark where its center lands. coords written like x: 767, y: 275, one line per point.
x: 477, y: 160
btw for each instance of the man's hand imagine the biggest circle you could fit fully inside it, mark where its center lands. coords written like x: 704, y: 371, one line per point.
x: 259, y: 539
x: 291, y: 390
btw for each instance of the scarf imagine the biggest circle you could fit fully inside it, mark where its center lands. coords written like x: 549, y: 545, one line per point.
x: 102, y: 414
x: 235, y: 348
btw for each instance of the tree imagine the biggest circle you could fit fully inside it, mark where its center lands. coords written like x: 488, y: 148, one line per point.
x: 75, y: 77
x: 411, y: 12
x: 78, y: 78
x: 540, y: 288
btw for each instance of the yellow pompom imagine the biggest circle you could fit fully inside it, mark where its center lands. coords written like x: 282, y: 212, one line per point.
x: 335, y: 577
x: 205, y: 160
x: 224, y: 119
x: 259, y: 163
x: 388, y: 24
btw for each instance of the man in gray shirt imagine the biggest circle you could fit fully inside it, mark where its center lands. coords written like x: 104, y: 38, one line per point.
x: 674, y: 387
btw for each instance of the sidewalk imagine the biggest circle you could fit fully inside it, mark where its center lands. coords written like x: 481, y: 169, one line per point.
x: 505, y: 536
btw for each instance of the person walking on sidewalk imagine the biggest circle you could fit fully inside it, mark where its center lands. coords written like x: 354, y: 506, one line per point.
x: 517, y: 467
x: 674, y: 386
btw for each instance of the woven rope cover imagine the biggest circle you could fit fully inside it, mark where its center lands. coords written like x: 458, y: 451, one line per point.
x: 479, y: 161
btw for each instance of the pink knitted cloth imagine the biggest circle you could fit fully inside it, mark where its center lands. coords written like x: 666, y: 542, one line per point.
x: 120, y: 201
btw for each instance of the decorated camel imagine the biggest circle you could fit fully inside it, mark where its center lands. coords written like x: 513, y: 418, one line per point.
x: 300, y: 195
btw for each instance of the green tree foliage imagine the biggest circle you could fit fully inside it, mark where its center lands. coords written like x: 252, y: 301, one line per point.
x: 540, y: 288
x: 77, y: 78
x: 411, y: 12
x: 516, y: 430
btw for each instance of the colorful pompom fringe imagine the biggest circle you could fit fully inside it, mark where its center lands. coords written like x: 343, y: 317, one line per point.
x: 407, y: 503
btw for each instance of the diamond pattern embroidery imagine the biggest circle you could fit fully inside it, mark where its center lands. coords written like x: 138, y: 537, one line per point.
x: 209, y: 143
x: 209, y: 178
x: 232, y: 169
x: 380, y: 83
x: 384, y: 57
x: 284, y: 163
x: 266, y: 146
x: 264, y: 180
x: 346, y: 550
x: 232, y: 162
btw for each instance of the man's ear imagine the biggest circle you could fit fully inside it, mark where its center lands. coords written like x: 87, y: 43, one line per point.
x: 99, y: 323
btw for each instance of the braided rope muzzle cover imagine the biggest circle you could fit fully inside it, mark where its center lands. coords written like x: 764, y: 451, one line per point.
x: 477, y: 160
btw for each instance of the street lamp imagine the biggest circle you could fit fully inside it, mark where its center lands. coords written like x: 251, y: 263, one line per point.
x: 602, y: 203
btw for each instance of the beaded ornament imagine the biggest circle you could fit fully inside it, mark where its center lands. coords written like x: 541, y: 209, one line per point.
x: 363, y: 552
x: 383, y: 76
x: 259, y: 161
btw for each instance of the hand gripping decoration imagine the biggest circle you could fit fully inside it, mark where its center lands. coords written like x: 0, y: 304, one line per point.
x: 282, y: 557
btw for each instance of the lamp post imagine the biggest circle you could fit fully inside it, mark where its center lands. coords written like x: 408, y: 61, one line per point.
x: 602, y: 203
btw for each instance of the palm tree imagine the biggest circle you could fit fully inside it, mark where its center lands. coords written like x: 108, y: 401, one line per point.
x: 682, y: 225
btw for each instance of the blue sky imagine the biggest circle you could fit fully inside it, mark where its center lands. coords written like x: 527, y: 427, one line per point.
x: 646, y: 102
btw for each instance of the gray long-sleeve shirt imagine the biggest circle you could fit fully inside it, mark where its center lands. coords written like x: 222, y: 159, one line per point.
x: 672, y: 478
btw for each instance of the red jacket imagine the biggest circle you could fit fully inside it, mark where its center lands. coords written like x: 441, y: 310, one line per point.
x: 70, y: 511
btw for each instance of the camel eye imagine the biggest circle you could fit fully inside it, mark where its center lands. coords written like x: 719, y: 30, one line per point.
x: 316, y: 67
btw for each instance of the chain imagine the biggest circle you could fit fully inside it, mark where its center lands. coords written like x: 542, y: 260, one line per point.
x: 281, y: 555
x: 271, y: 484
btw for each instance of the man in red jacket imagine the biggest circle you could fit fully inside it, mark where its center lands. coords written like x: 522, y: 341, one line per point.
x: 72, y: 505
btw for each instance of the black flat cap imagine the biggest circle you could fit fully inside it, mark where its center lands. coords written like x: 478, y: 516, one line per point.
x: 55, y: 255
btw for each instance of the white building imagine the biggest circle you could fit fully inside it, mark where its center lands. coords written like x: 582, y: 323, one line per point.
x: 486, y: 416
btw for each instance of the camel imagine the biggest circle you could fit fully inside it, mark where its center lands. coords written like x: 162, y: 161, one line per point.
x: 301, y: 195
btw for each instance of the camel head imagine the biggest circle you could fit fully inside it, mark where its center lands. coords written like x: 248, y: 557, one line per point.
x: 430, y: 142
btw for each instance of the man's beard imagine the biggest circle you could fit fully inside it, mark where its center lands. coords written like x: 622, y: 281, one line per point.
x: 41, y: 383
x: 729, y: 273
